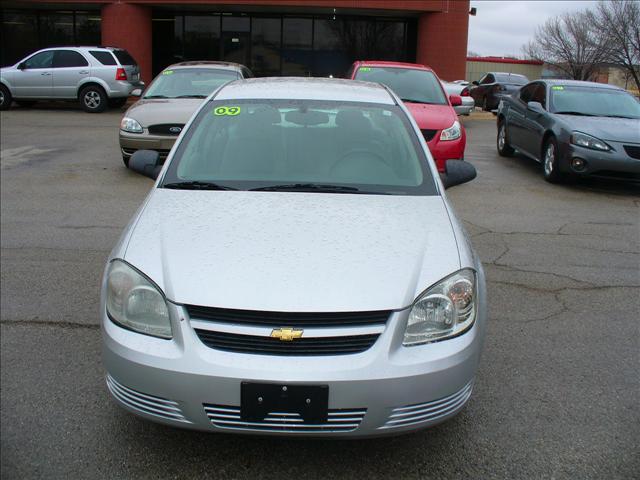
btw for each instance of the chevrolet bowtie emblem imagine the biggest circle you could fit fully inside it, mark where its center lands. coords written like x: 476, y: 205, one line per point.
x: 286, y: 334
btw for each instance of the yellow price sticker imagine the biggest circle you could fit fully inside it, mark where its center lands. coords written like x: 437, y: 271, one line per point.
x: 231, y: 111
x: 167, y: 72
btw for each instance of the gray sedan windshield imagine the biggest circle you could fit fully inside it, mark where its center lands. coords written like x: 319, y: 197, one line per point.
x: 301, y: 146
x: 590, y: 101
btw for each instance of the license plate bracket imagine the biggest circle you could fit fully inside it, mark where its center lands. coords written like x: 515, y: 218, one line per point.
x: 257, y: 400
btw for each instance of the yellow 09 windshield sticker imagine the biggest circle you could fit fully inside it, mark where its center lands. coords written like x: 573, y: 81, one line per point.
x: 167, y: 72
x: 365, y: 69
x: 557, y: 87
x: 226, y: 111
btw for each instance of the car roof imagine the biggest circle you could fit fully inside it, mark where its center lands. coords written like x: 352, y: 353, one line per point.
x: 209, y: 64
x: 579, y: 83
x: 385, y: 63
x: 301, y: 88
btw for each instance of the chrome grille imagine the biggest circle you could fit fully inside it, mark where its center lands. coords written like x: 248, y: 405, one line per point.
x: 429, y: 411
x: 633, y: 151
x: 338, y: 420
x: 173, y: 129
x: 145, y: 403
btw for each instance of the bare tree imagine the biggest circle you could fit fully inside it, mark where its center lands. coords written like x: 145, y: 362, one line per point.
x: 571, y: 44
x: 619, y: 23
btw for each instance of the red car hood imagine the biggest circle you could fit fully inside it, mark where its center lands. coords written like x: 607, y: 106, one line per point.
x: 432, y: 117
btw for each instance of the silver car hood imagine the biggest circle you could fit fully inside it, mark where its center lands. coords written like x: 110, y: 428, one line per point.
x: 305, y: 252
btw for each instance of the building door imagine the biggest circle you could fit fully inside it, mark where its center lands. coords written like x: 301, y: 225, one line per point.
x: 236, y: 38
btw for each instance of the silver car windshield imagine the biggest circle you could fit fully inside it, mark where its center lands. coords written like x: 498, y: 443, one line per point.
x: 189, y: 82
x: 302, y: 146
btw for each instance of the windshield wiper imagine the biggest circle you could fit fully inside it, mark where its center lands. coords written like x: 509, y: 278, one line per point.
x: 312, y: 187
x: 191, y: 96
x: 156, y: 96
x: 196, y: 185
x: 618, y: 116
x: 413, y: 100
x: 568, y: 112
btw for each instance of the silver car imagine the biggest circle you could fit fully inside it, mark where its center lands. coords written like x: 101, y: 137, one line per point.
x: 97, y: 77
x: 456, y: 88
x: 295, y: 270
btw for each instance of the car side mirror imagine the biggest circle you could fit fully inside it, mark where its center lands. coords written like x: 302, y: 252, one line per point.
x: 146, y: 162
x: 456, y: 100
x: 535, y: 107
x: 22, y: 66
x: 475, y: 82
x: 458, y: 172
x: 136, y: 92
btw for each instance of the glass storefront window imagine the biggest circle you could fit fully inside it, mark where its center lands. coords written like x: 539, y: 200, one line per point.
x: 56, y: 29
x: 167, y: 41
x: 330, y: 52
x: 201, y: 37
x: 88, y: 28
x: 265, y: 46
x: 297, y: 43
x: 22, y: 29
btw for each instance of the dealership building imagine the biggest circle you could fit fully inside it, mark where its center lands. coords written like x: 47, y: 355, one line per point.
x: 272, y: 37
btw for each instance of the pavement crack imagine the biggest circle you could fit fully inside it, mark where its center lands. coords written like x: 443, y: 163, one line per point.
x: 50, y: 323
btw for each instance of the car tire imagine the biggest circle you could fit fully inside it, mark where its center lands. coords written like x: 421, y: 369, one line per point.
x: 26, y: 103
x: 93, y: 99
x: 502, y: 142
x: 550, y: 161
x: 5, y: 98
x: 117, y: 102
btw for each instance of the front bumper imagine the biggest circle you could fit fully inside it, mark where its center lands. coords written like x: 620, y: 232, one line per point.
x: 387, y: 389
x: 615, y: 164
x: 132, y: 142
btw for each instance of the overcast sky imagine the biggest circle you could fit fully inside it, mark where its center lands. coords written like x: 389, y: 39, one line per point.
x: 500, y: 28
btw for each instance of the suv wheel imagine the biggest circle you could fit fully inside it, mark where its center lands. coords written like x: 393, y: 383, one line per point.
x: 93, y: 99
x: 5, y: 98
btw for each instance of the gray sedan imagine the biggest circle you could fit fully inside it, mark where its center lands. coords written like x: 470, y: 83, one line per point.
x: 573, y: 128
x: 295, y: 270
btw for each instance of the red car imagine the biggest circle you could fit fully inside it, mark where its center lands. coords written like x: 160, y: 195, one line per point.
x: 421, y: 91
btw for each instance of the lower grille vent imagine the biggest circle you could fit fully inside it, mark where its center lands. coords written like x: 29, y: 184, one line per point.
x: 339, y: 420
x: 142, y: 402
x: 425, y: 412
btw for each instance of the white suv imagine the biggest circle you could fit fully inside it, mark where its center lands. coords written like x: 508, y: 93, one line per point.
x: 98, y: 77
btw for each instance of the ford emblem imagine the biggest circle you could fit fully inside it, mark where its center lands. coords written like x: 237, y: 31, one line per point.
x: 175, y: 129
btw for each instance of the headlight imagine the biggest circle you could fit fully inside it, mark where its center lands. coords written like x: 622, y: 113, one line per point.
x: 452, y: 133
x: 445, y: 310
x: 135, y: 303
x: 130, y: 125
x: 587, y: 141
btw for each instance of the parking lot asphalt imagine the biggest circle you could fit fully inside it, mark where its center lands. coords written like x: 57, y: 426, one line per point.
x: 557, y: 393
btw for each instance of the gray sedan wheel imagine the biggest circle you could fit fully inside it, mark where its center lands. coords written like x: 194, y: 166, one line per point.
x: 93, y: 99
x: 550, y: 157
x: 504, y: 149
x: 5, y: 98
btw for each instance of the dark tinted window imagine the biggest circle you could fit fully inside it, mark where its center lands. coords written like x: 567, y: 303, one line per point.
x: 514, y: 79
x: 88, y: 27
x: 488, y: 78
x: 40, y: 60
x: 68, y: 58
x: 411, y: 85
x: 201, y: 37
x: 526, y: 93
x: 22, y: 29
x: 124, y: 58
x: 56, y: 29
x: 539, y: 95
x: 105, y: 58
